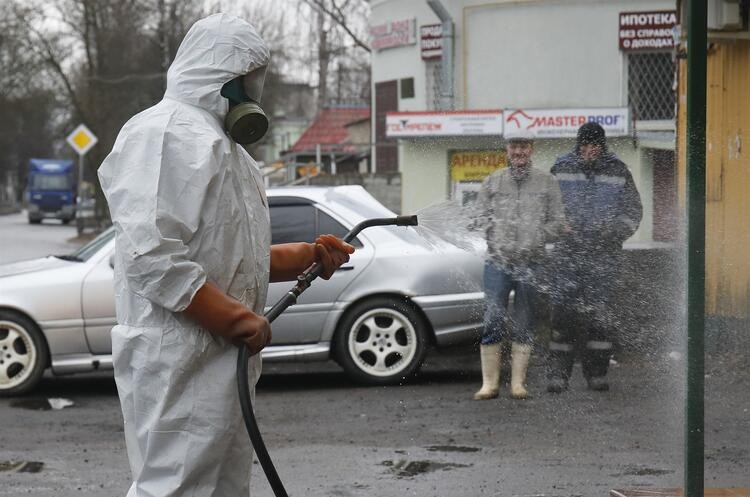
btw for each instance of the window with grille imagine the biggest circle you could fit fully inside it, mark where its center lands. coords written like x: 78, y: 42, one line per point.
x: 651, y: 92
x: 432, y: 90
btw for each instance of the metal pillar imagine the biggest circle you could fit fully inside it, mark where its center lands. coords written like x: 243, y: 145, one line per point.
x: 80, y: 225
x: 696, y: 240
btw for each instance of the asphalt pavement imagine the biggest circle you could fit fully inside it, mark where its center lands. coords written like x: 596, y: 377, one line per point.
x: 330, y: 437
x: 21, y: 240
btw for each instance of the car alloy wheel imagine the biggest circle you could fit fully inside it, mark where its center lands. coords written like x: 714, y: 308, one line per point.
x: 382, y: 341
x: 22, y: 354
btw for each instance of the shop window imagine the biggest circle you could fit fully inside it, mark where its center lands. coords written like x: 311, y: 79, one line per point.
x: 407, y: 88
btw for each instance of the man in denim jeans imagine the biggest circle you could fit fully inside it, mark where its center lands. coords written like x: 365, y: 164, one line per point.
x: 520, y: 210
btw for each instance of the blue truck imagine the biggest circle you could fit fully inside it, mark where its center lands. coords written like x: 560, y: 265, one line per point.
x: 51, y: 190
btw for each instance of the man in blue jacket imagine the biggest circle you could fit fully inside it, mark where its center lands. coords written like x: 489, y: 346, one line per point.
x: 603, y: 209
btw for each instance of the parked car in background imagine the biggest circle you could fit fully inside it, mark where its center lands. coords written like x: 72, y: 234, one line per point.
x: 376, y: 316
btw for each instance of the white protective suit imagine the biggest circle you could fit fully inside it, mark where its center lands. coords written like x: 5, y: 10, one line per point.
x: 188, y: 206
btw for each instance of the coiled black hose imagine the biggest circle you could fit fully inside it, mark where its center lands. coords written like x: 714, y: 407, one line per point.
x: 290, y: 298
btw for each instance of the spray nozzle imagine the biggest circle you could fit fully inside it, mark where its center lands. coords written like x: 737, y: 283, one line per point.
x: 406, y: 221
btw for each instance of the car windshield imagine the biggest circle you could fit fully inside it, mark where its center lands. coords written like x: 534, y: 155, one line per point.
x: 87, y: 251
x: 363, y: 205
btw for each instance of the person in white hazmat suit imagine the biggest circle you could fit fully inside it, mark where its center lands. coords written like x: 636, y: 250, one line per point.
x: 192, y: 264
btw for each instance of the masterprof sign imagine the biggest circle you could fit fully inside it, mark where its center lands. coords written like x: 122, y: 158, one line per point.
x: 647, y: 30
x: 394, y: 34
x: 564, y: 123
x: 447, y: 123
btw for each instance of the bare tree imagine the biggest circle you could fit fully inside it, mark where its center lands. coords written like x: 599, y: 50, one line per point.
x: 108, y: 57
x: 27, y: 103
x: 339, y: 21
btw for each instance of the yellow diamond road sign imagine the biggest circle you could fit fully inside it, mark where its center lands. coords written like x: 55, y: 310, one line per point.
x: 82, y: 139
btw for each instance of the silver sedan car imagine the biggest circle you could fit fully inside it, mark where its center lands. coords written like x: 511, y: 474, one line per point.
x: 376, y: 316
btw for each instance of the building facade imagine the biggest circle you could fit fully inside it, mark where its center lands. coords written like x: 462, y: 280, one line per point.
x: 542, y: 65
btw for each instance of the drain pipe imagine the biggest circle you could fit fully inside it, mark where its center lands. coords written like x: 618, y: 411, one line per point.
x: 446, y: 63
x: 696, y: 249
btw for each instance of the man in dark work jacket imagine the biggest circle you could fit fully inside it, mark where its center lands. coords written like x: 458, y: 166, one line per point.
x: 603, y: 209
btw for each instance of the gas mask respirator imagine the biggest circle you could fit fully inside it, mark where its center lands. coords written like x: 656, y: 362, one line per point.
x: 245, y: 121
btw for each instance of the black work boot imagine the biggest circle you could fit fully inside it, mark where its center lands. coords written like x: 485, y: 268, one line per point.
x: 559, y: 366
x: 598, y: 383
x: 557, y: 385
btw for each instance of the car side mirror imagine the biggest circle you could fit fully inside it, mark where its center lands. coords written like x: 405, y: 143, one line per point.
x: 112, y: 260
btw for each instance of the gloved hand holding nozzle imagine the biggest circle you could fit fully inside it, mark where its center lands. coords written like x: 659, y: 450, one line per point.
x: 288, y: 260
x: 225, y: 316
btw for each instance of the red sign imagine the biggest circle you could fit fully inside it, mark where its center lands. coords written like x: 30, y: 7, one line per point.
x: 393, y: 34
x: 431, y: 41
x: 647, y: 30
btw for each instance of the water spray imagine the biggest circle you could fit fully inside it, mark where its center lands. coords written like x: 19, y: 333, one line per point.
x: 290, y: 298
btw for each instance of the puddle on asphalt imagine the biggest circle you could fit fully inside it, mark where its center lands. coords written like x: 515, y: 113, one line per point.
x: 632, y: 471
x: 452, y: 448
x: 21, y: 466
x: 407, y: 469
x: 32, y: 404
x: 39, y: 404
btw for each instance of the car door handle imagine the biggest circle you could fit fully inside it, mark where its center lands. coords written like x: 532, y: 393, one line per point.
x: 345, y: 268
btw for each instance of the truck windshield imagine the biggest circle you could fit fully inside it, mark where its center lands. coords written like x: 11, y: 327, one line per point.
x: 50, y: 182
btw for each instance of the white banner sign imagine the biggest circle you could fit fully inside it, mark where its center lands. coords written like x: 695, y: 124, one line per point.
x: 449, y: 123
x: 564, y: 123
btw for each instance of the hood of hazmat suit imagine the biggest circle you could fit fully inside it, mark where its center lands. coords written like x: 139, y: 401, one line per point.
x: 188, y: 206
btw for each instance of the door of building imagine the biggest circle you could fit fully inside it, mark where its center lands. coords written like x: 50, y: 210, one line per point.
x: 386, y: 100
x: 664, y: 195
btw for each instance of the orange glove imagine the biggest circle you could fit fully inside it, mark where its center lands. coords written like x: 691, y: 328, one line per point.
x: 331, y: 252
x: 290, y: 259
x: 226, y: 317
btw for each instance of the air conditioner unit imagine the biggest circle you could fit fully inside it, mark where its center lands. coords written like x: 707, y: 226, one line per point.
x: 724, y: 15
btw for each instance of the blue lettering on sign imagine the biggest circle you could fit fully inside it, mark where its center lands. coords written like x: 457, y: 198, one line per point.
x: 606, y: 119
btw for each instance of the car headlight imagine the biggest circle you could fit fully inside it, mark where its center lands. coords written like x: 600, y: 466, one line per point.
x: 33, y: 208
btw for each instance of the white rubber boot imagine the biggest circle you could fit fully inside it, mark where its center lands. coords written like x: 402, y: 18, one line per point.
x: 520, y: 354
x: 490, y: 355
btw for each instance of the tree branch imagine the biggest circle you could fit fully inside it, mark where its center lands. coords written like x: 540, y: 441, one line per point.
x: 337, y: 15
x: 48, y: 56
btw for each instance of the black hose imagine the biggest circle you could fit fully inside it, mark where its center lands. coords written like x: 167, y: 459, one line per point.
x: 289, y: 299
x: 252, y: 425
